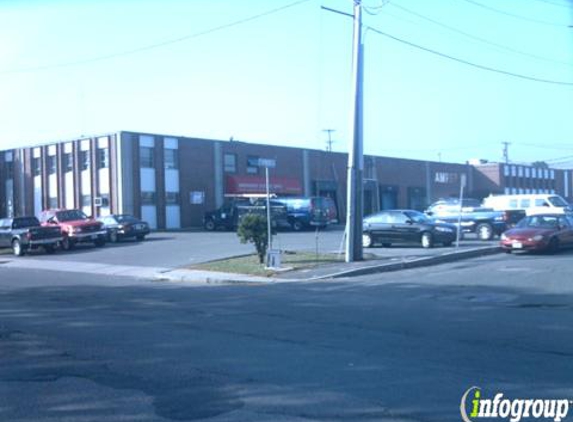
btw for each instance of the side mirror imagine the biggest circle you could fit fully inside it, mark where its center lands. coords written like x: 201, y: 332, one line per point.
x: 409, y: 222
x: 429, y: 213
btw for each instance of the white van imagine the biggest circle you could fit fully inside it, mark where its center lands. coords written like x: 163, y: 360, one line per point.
x: 531, y: 203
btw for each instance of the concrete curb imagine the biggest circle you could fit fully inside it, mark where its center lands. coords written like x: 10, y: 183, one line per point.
x: 416, y: 263
x: 213, y: 278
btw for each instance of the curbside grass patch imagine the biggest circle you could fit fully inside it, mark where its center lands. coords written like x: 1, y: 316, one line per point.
x: 250, y: 264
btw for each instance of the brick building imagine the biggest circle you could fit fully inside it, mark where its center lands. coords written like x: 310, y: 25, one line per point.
x: 170, y: 181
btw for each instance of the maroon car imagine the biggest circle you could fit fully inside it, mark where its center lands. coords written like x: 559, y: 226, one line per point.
x: 540, y: 232
x: 75, y: 226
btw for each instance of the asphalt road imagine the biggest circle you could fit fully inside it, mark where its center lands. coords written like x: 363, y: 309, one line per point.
x: 392, y: 347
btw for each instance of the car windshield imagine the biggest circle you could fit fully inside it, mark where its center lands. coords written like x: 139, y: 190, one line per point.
x: 417, y: 217
x: 126, y: 219
x: 557, y: 201
x: 20, y: 223
x: 540, y: 222
x: 70, y: 215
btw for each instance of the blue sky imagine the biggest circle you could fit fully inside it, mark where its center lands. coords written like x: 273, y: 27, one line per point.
x: 225, y: 68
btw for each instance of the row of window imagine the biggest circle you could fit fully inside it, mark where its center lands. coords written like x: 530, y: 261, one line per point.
x: 147, y: 158
x: 535, y: 172
x: 85, y: 201
x: 519, y: 191
x: 68, y: 162
x: 150, y: 198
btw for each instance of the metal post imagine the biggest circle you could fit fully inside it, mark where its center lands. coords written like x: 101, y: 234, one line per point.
x: 269, y: 234
x: 355, y: 156
x: 459, y: 229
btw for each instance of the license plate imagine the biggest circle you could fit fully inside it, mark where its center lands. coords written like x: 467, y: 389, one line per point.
x: 517, y: 245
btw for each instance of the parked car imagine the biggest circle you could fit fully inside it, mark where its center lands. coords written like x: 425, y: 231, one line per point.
x: 229, y: 215
x: 23, y: 234
x: 530, y: 203
x: 452, y: 205
x: 484, y: 222
x: 405, y: 226
x: 540, y: 232
x: 75, y: 226
x: 306, y: 212
x: 122, y: 226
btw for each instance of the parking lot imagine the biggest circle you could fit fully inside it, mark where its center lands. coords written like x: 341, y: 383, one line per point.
x: 178, y: 249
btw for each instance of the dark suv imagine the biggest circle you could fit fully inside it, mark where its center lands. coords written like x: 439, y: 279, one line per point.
x: 230, y: 214
x: 305, y: 212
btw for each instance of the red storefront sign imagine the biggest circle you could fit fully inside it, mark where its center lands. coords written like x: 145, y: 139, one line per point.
x: 256, y: 184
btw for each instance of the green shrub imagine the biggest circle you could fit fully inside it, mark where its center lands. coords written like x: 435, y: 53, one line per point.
x: 253, y: 229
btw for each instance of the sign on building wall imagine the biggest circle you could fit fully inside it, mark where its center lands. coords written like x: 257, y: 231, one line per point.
x: 446, y: 178
x: 197, y: 197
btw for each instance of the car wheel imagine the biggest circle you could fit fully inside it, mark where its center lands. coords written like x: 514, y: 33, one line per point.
x: 484, y: 231
x: 67, y: 244
x: 366, y: 240
x: 210, y: 225
x: 140, y: 237
x: 297, y: 225
x: 99, y: 243
x: 113, y: 236
x: 17, y: 248
x: 49, y: 249
x: 553, y: 246
x: 448, y: 244
x: 507, y: 250
x: 386, y: 245
x: 427, y: 240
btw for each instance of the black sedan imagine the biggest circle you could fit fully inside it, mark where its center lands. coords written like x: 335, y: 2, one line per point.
x: 121, y: 226
x: 405, y: 226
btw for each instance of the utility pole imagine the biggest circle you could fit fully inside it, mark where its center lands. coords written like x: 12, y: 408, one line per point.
x: 330, y: 141
x: 353, y: 246
x: 506, y: 151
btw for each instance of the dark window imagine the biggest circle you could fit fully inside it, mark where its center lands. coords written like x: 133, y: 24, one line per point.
x: 85, y: 160
x: 37, y: 166
x: 103, y: 158
x: 52, y: 164
x: 53, y: 203
x: 68, y: 162
x: 252, y: 164
x: 86, y: 200
x: 171, y: 158
x: 146, y: 157
x: 147, y: 198
x: 172, y: 198
x: 230, y: 163
x: 9, y: 170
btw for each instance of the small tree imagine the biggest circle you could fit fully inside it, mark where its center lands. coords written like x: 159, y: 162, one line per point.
x: 253, y: 229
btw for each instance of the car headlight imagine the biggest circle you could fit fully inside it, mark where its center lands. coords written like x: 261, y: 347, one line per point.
x: 444, y: 229
x: 503, y: 236
x: 537, y: 238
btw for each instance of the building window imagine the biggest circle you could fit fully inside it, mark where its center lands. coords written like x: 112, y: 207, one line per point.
x: 146, y: 157
x: 506, y: 171
x: 520, y: 171
x: 147, y: 198
x: 103, y: 158
x: 9, y: 170
x: 53, y: 203
x: 527, y: 170
x: 171, y: 157
x: 252, y: 164
x: 230, y: 163
x: 68, y: 162
x: 171, y: 198
x: 52, y: 164
x: 85, y: 160
x: 37, y: 166
x: 552, y: 174
x: 86, y: 200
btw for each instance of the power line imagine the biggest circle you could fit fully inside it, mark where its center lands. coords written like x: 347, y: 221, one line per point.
x: 476, y: 65
x: 483, y: 40
x: 554, y: 4
x: 156, y: 45
x: 524, y: 18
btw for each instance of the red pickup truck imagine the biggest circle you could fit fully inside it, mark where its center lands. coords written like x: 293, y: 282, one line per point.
x: 76, y: 227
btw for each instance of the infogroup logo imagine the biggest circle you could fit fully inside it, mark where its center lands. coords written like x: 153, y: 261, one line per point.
x: 513, y: 410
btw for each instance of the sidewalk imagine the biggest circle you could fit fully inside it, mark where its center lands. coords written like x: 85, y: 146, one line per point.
x: 333, y: 271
